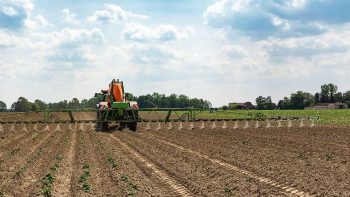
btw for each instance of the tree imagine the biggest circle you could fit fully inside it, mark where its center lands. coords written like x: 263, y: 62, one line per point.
x: 35, y: 107
x: 297, y: 100
x: 317, y: 97
x: 22, y: 105
x: 284, y: 104
x: 332, y: 90
x: 84, y: 103
x: 41, y: 105
x: 325, y: 93
x: 74, y: 104
x: 300, y: 100
x: 265, y: 103
x: 346, y: 96
x: 3, y: 106
x: 338, y: 97
x: 309, y: 99
x: 260, y: 102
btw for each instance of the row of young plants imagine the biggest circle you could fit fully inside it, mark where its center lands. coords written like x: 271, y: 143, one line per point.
x: 34, y: 157
x: 40, y: 151
x: 132, y: 187
x: 48, y: 180
x: 17, y: 143
x: 84, y: 178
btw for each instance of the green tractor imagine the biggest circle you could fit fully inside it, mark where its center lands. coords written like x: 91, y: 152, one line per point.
x: 114, y: 108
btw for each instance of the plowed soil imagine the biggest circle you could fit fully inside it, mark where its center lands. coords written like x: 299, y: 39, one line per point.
x: 167, y: 161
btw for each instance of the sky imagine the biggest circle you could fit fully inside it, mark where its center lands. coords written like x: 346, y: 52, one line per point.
x: 222, y: 51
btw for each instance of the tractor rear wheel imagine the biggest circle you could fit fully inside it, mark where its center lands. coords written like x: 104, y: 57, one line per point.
x: 101, y: 126
x: 132, y: 126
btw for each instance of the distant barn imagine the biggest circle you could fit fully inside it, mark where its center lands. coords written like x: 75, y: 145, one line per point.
x: 329, y: 106
x: 246, y: 105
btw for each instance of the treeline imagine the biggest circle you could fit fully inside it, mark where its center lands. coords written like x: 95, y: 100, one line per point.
x: 299, y: 100
x: 171, y: 101
x: 144, y: 101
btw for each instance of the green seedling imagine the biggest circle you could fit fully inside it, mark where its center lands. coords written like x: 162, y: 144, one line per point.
x: 230, y: 191
x: 86, y: 187
x: 124, y: 178
x: 14, y: 152
x: 84, y: 178
x: 54, y: 167
x: 46, y: 191
x: 85, y: 166
x: 328, y: 157
x: 18, y: 173
x: 48, y: 179
x: 114, y: 164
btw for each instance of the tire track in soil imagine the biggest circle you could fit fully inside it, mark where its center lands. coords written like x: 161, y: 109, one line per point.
x: 312, y: 175
x: 21, y: 160
x: 147, y: 182
x: 285, y: 188
x: 99, y: 180
x: 177, y: 187
x: 111, y: 182
x: 62, y: 186
x: 199, y: 175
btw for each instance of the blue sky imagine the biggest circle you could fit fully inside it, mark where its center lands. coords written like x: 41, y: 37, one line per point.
x: 223, y: 51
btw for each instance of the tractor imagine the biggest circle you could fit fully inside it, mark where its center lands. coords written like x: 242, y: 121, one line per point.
x: 115, y: 108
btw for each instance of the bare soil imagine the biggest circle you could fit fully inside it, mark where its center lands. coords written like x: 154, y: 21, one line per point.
x: 220, y: 161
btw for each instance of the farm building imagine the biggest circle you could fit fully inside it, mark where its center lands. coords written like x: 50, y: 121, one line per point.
x: 246, y: 105
x: 329, y: 106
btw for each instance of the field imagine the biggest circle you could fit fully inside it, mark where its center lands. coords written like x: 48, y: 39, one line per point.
x: 217, y: 160
x: 334, y: 117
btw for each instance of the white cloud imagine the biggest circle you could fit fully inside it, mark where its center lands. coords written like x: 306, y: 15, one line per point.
x: 234, y: 51
x: 15, y: 13
x: 307, y: 47
x: 141, y: 33
x: 74, y: 45
x: 69, y: 17
x: 9, y: 41
x: 60, y: 50
x: 9, y: 11
x: 150, y: 55
x: 38, y: 22
x: 113, y: 13
x: 291, y: 18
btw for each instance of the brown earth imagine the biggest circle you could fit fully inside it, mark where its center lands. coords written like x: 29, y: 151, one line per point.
x: 170, y: 162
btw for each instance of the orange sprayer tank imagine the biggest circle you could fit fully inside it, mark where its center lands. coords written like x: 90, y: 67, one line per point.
x: 117, y: 92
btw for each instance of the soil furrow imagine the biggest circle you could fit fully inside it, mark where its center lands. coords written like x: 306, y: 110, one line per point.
x: 97, y: 182
x: 19, y: 143
x: 180, y: 189
x: 62, y: 186
x: 10, y: 165
x: 31, y: 170
x: 29, y: 183
x: 306, y: 172
x: 199, y: 175
x: 286, y: 188
x: 147, y: 181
